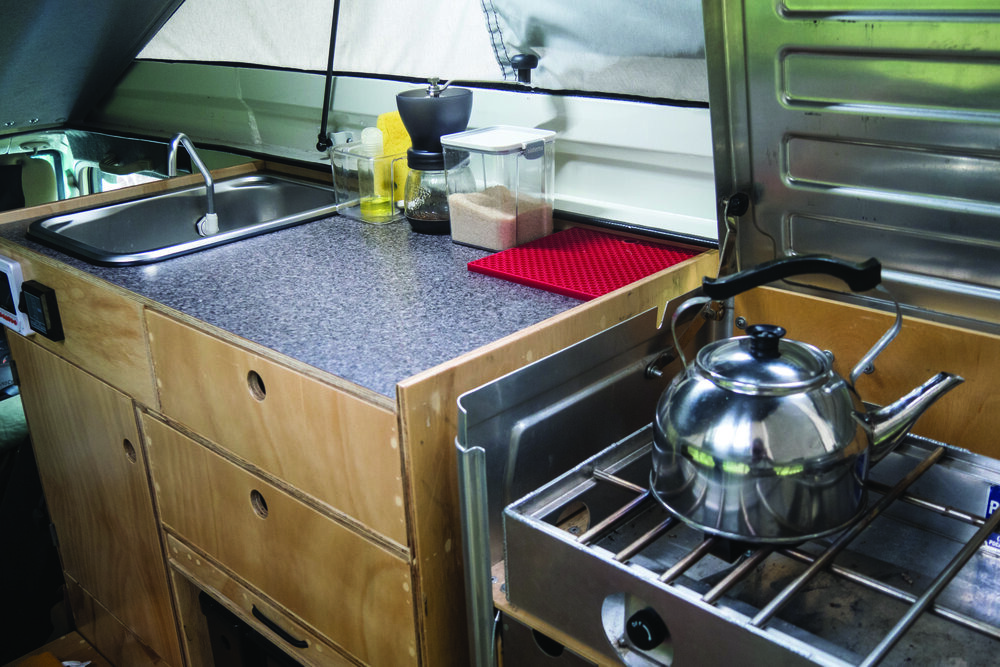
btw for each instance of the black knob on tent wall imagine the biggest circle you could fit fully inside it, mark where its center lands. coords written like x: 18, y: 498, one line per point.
x: 523, y: 63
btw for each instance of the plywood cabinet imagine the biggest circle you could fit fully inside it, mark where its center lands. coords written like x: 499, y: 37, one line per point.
x: 93, y: 470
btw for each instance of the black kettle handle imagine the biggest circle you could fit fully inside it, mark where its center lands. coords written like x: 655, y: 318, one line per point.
x: 859, y: 276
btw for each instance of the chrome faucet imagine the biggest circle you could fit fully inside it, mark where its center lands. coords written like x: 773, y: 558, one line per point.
x: 208, y: 224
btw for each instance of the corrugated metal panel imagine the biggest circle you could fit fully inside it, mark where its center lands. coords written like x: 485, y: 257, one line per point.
x: 862, y: 129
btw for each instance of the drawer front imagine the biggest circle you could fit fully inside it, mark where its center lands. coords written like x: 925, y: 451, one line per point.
x: 328, y: 577
x: 322, y: 441
x: 298, y: 641
x: 104, y: 329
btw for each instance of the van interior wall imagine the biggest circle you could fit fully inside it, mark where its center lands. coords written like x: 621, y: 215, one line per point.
x: 637, y: 162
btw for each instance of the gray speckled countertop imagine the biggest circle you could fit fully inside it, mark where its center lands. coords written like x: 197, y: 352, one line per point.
x: 373, y: 304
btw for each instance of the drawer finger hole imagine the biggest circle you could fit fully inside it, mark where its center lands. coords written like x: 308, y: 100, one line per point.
x: 258, y: 503
x: 129, y: 450
x: 256, y: 385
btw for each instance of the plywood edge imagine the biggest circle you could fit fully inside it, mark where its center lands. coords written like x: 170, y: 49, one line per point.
x: 229, y: 590
x: 32, y: 213
x: 629, y: 300
x: 335, y: 514
x: 315, y: 173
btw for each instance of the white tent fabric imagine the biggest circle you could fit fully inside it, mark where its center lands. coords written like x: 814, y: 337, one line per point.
x: 650, y: 48
x: 653, y: 48
x: 406, y: 38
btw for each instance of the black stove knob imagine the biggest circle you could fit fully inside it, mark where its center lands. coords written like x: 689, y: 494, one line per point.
x: 646, y: 630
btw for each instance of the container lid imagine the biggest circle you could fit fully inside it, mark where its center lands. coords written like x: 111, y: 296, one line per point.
x: 498, y: 139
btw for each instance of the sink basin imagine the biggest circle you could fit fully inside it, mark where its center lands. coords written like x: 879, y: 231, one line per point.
x: 162, y: 226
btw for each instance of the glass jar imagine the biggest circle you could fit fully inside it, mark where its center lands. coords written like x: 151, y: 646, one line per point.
x: 425, y: 197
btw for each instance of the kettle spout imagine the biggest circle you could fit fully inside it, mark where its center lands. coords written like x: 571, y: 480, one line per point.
x: 891, y: 423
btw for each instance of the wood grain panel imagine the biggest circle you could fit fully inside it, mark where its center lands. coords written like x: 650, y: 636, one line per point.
x: 428, y: 406
x: 105, y: 632
x: 93, y: 471
x: 189, y: 566
x: 968, y: 416
x: 330, y: 445
x: 104, y: 328
x: 330, y: 578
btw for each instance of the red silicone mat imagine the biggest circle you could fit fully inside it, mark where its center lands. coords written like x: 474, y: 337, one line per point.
x: 581, y: 263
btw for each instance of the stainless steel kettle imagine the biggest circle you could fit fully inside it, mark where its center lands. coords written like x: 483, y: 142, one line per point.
x: 759, y: 439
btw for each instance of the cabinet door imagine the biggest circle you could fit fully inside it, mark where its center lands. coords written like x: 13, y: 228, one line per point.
x: 93, y: 472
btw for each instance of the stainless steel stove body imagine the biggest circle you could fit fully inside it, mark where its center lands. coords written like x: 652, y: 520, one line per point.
x: 590, y: 553
x: 525, y: 429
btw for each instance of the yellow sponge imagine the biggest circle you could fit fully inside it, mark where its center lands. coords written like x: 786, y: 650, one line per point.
x: 395, y: 139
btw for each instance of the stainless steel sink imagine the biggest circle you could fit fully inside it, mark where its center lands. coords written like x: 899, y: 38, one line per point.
x: 162, y: 226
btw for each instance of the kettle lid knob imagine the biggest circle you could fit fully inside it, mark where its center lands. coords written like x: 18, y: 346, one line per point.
x: 764, y: 340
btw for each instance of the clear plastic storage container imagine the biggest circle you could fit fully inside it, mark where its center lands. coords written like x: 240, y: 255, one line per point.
x: 510, y: 201
x: 365, y: 178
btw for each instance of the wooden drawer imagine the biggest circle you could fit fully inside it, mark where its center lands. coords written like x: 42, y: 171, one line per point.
x: 319, y: 439
x: 322, y: 574
x: 104, y: 328
x: 295, y: 639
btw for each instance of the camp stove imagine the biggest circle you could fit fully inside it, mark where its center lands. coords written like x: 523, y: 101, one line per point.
x: 912, y: 582
x: 592, y: 562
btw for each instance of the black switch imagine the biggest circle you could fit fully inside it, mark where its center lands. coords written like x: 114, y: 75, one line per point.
x: 38, y: 302
x: 646, y: 630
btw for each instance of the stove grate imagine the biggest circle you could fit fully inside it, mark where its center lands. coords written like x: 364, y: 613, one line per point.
x: 639, y: 500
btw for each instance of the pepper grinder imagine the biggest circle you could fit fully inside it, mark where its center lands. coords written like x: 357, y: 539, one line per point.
x: 428, y: 114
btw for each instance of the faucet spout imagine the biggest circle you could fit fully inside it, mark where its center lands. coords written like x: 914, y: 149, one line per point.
x: 208, y: 224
